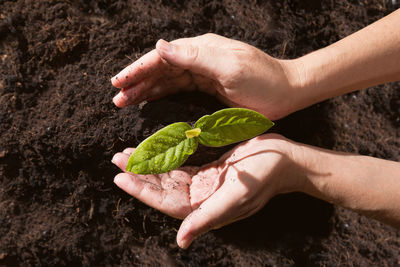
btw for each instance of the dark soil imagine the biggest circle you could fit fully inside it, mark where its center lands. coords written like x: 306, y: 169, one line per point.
x: 59, y: 130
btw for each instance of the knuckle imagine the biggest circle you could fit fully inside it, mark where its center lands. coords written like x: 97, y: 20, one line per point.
x: 209, y: 35
x: 236, y: 72
x: 237, y: 63
x: 206, y: 222
x: 192, y: 53
x: 210, y: 225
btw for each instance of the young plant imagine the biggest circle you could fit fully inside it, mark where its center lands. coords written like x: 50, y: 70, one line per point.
x: 169, y: 147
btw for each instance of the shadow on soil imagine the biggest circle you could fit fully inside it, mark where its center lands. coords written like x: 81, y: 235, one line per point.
x: 286, y: 221
x: 290, y: 218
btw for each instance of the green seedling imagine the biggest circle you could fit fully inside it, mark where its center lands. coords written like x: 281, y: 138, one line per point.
x: 168, y: 148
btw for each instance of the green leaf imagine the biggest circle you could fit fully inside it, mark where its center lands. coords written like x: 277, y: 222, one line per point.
x: 164, y: 151
x: 231, y: 125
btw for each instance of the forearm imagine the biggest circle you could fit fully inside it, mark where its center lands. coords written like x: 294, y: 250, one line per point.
x: 364, y: 184
x: 368, y: 57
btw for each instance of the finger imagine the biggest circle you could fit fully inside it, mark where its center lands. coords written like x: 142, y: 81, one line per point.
x: 142, y: 68
x: 169, y: 86
x: 171, y: 71
x: 174, y: 202
x: 189, y: 54
x: 147, y: 192
x: 205, y: 84
x: 128, y: 150
x: 213, y: 87
x: 215, y: 212
x: 157, y: 92
x: 176, y: 199
x: 204, y: 184
x: 134, y: 94
x: 121, y: 160
x: 228, y: 102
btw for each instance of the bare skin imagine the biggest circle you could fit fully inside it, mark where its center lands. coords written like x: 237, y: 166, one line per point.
x: 232, y: 188
x: 238, y: 74
x: 244, y: 179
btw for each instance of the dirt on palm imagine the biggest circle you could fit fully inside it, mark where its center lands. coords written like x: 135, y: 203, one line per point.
x: 59, y: 130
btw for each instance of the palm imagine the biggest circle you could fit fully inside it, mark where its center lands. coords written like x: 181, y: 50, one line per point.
x: 176, y: 193
x: 232, y: 188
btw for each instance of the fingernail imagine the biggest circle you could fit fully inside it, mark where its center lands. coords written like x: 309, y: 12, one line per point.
x: 115, y: 100
x: 183, y: 237
x: 113, y: 159
x: 114, y: 79
x: 165, y: 47
x: 184, y: 244
x: 116, y: 180
x: 120, y: 97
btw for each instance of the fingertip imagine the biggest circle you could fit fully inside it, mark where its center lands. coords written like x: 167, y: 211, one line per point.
x: 182, y: 244
x: 115, y: 81
x: 185, y: 243
x: 185, y: 234
x: 113, y: 160
x: 164, y: 48
x: 120, y: 99
x: 116, y: 158
x: 128, y: 150
x: 115, y: 100
x: 159, y: 43
x: 120, y: 180
x: 121, y: 160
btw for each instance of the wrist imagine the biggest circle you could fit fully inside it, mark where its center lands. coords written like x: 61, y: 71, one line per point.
x: 293, y: 173
x: 318, y: 76
x: 300, y: 83
x: 364, y: 184
x: 294, y: 70
x: 297, y: 170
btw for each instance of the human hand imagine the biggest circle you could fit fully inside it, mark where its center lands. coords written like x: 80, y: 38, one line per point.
x: 239, y: 74
x: 208, y: 197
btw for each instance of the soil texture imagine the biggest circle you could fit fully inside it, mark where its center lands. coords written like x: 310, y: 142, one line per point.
x: 59, y: 130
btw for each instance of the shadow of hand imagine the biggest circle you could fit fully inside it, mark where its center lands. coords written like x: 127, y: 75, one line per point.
x: 232, y: 188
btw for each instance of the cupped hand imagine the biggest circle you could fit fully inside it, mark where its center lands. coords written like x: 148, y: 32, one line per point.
x: 239, y: 74
x: 208, y: 197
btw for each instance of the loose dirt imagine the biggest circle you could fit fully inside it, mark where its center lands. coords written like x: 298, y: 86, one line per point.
x: 59, y: 130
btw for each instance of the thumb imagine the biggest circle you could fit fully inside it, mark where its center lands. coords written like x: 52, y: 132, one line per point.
x: 215, y: 212
x: 207, y: 61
